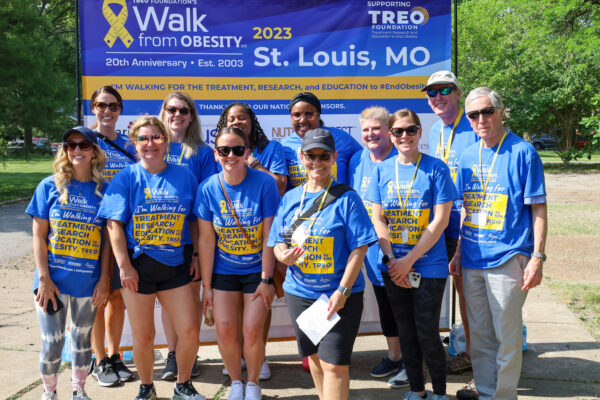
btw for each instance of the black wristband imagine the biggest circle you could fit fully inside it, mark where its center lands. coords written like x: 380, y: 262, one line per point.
x: 195, y: 254
x: 268, y: 281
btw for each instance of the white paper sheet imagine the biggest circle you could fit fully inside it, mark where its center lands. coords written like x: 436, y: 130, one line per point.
x: 313, y: 321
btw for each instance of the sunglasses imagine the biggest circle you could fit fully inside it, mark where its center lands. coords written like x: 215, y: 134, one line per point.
x: 224, y: 151
x: 172, y: 110
x: 156, y: 138
x: 322, y: 156
x: 83, y: 146
x: 486, y: 112
x: 445, y: 91
x: 410, y: 131
x: 297, y: 116
x: 112, y: 106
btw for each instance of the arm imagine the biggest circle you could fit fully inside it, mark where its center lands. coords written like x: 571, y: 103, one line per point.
x: 267, y: 291
x: 286, y: 255
x: 455, y: 267
x: 47, y: 289
x: 206, y: 253
x: 381, y: 228
x: 102, y: 288
x: 532, y: 275
x: 118, y: 241
x: 194, y: 265
x: 355, y: 262
x: 280, y: 180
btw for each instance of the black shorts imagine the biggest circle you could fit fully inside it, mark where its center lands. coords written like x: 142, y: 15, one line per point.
x: 116, y: 278
x: 155, y: 276
x: 336, y: 346
x: 451, y: 245
x: 236, y: 283
x: 386, y: 315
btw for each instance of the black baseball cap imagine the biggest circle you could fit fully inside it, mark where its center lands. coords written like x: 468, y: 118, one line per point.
x: 318, y: 139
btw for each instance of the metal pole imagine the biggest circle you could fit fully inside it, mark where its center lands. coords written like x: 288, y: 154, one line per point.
x: 77, y: 66
x: 455, y: 67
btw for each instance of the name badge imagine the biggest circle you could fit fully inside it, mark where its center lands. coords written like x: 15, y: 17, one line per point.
x: 479, y: 218
x: 404, y: 235
x: 300, y: 235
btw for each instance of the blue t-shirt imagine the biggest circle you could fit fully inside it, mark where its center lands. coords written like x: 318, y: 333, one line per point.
x: 360, y: 176
x: 517, y: 174
x: 345, y: 145
x: 202, y: 164
x: 272, y: 158
x: 337, y: 230
x: 432, y: 185
x: 74, y: 235
x: 253, y: 200
x: 155, y: 210
x: 464, y: 136
x: 115, y: 160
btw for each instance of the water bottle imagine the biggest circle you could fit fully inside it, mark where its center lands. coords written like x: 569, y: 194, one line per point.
x: 524, y: 337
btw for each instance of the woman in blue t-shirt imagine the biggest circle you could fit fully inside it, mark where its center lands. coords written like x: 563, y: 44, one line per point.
x: 72, y: 259
x: 186, y: 148
x: 412, y: 196
x: 235, y: 210
x: 324, y: 251
x: 265, y: 155
x: 148, y: 206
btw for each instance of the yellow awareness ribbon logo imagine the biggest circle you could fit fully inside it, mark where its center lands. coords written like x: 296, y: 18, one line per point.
x: 390, y: 188
x: 117, y: 23
x: 148, y: 194
x: 223, y: 207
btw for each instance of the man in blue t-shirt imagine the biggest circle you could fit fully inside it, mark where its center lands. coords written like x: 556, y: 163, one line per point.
x: 448, y: 138
x: 502, y: 237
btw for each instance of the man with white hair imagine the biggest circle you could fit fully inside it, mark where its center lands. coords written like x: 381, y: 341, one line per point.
x: 503, y: 234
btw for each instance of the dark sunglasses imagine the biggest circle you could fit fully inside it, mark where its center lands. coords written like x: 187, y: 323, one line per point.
x: 224, y: 151
x: 83, y: 146
x: 486, y: 112
x: 182, y: 110
x: 410, y: 131
x: 307, y: 115
x: 156, y: 138
x: 112, y: 106
x: 322, y: 156
x: 445, y: 91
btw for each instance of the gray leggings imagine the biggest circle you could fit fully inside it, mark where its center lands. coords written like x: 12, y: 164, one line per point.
x: 52, y: 329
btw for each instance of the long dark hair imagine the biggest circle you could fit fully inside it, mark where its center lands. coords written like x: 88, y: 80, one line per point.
x: 257, y: 139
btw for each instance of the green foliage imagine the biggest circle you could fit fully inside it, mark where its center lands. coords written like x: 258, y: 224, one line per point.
x: 541, y: 56
x: 583, y: 299
x: 19, y: 176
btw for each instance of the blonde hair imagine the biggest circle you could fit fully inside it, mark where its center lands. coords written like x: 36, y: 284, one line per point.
x: 148, y: 120
x: 63, y: 171
x: 193, y: 136
x: 377, y: 113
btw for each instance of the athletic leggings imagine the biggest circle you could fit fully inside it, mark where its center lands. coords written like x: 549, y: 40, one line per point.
x: 52, y: 329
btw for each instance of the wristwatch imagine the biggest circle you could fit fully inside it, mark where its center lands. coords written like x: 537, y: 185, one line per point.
x: 386, y: 258
x: 268, y: 281
x: 345, y: 291
x: 541, y: 256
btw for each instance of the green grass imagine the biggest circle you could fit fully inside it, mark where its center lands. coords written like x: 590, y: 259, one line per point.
x: 583, y: 299
x: 19, y: 176
x: 573, y: 219
x: 551, y: 156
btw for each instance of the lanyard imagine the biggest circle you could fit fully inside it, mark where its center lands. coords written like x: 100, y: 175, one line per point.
x: 446, y: 150
x: 487, y: 180
x: 404, y: 203
x: 169, y: 155
x: 314, y: 217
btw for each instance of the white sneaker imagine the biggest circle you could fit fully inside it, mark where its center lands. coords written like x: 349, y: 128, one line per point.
x: 48, y: 395
x: 252, y: 391
x: 80, y: 394
x: 237, y: 391
x: 225, y: 372
x: 265, y: 371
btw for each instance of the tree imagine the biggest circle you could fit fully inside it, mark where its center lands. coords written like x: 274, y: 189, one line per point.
x: 541, y: 56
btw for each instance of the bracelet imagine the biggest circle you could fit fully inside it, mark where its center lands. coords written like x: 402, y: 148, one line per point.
x: 268, y: 281
x: 207, y: 286
x: 195, y: 254
x: 254, y: 163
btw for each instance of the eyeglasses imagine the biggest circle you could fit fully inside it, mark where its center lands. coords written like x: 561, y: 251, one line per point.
x: 322, y: 156
x: 111, y: 106
x: 224, y: 151
x: 156, y: 138
x: 297, y: 116
x: 410, y: 131
x: 83, y: 146
x: 445, y: 91
x: 486, y: 112
x: 182, y: 110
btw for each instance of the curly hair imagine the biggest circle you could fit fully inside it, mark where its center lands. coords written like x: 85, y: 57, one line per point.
x: 257, y: 139
x: 193, y: 135
x: 63, y: 171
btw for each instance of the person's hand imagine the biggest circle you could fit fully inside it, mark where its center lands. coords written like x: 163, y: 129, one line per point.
x: 207, y: 299
x: 398, y: 269
x: 290, y: 256
x: 533, y: 273
x: 195, y: 268
x: 337, y: 301
x: 101, y: 292
x: 46, y: 292
x: 129, y: 277
x: 250, y: 160
x: 455, y: 267
x: 267, y: 292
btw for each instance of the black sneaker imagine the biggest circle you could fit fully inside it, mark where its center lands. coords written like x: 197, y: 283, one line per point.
x: 186, y: 391
x: 122, y: 371
x: 195, y: 368
x: 170, y: 371
x: 386, y: 367
x: 147, y: 392
x: 105, y: 373
x: 469, y: 392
